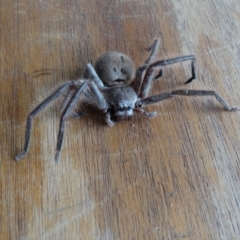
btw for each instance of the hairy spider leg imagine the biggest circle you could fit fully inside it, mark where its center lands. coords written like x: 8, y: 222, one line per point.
x: 90, y: 73
x: 37, y: 110
x: 108, y: 120
x: 153, y: 51
x: 193, y: 73
x: 148, y: 78
x: 138, y: 77
x: 99, y: 102
x: 64, y: 115
x: 182, y: 92
x: 136, y: 84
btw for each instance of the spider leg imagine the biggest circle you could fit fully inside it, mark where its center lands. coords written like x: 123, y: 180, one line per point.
x: 108, y: 120
x: 90, y: 73
x: 68, y: 110
x: 193, y: 73
x: 153, y: 48
x: 96, y: 98
x: 182, y: 92
x: 205, y: 93
x: 64, y: 115
x: 77, y: 113
x: 138, y: 78
x: 149, y: 78
x: 37, y: 110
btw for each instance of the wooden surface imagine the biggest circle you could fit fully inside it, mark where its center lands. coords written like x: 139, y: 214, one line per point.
x: 176, y: 176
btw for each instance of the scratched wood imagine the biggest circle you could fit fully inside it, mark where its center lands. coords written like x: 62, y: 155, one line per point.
x: 172, y: 177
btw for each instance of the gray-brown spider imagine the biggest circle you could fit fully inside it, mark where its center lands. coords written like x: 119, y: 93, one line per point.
x: 109, y: 88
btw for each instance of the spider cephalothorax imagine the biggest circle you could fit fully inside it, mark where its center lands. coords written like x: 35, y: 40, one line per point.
x: 121, y: 103
x: 113, y: 87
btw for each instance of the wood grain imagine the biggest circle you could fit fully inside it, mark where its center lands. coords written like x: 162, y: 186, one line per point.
x: 172, y: 177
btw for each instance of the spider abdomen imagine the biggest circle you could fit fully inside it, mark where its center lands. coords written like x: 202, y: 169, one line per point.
x: 115, y: 68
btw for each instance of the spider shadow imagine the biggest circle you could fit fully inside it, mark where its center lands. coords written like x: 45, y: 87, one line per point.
x: 60, y: 74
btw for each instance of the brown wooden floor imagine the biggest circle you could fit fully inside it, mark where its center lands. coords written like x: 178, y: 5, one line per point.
x: 176, y: 176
